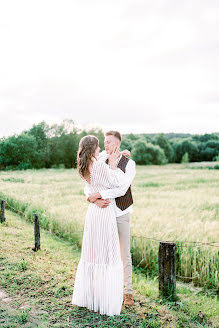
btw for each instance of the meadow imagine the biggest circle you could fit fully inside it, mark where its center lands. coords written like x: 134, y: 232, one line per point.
x: 36, y: 289
x: 175, y: 202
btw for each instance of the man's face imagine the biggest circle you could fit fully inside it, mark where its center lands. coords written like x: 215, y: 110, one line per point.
x: 110, y: 142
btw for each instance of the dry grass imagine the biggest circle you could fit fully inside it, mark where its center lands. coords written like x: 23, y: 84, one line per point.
x: 39, y: 287
x: 171, y: 202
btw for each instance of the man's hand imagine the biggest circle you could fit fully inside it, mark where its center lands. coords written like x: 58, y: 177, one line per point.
x: 102, y: 203
x: 93, y: 197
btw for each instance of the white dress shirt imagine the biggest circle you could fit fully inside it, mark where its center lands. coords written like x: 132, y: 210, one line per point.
x: 111, y: 194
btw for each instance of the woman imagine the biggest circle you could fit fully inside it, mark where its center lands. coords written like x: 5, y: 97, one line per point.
x: 99, y: 277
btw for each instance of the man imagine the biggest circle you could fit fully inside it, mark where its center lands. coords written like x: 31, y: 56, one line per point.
x: 122, y: 201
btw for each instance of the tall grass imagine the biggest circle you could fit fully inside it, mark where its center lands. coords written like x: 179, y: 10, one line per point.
x: 171, y: 202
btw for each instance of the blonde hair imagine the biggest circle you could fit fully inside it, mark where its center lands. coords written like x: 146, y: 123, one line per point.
x: 86, y: 150
x: 115, y: 134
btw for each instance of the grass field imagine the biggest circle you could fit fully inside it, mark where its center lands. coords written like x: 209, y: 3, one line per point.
x: 36, y: 289
x: 174, y: 202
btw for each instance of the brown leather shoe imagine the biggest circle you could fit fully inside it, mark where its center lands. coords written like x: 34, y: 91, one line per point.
x: 128, y: 299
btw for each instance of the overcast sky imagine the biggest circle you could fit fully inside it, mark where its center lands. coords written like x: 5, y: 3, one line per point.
x: 136, y: 66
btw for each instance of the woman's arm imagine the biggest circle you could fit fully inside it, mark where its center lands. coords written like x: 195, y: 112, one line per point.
x: 120, y: 190
x: 106, y: 177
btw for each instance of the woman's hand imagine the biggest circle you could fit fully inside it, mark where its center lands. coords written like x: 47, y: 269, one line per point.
x: 113, y: 156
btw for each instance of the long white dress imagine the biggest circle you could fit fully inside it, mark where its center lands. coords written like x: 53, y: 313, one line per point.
x: 99, y: 277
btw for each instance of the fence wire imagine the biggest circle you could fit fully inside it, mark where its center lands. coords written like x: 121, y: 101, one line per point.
x: 195, y: 243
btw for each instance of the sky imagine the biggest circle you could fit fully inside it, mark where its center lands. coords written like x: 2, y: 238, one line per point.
x: 134, y: 66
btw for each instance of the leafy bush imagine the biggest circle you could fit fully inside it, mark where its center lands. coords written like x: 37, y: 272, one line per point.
x: 146, y: 153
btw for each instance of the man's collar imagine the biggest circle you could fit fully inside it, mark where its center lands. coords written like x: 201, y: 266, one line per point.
x: 118, y: 159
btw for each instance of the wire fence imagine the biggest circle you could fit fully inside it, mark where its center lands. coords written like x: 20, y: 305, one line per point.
x: 179, y: 243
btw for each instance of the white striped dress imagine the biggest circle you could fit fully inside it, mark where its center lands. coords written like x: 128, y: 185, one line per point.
x: 99, y: 277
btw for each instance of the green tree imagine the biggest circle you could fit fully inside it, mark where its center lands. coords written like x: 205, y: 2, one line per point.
x: 69, y: 143
x: 126, y: 144
x: 18, y: 152
x: 146, y: 153
x: 63, y: 144
x: 164, y: 144
x: 132, y: 136
x: 186, y: 146
x: 40, y: 133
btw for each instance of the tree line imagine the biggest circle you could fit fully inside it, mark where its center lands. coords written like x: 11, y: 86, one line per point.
x: 55, y: 146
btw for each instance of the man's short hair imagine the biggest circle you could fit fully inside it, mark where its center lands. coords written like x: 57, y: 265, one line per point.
x: 115, y: 134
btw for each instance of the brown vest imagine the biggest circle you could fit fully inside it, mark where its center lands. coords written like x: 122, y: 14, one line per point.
x: 125, y: 201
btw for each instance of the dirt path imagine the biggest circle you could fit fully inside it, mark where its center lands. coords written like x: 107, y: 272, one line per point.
x: 4, y: 297
x: 12, y: 315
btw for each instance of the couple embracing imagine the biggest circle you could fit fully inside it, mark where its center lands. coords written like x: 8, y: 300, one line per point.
x: 105, y: 266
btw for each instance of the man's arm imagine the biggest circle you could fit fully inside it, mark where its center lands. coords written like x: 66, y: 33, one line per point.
x: 103, y: 203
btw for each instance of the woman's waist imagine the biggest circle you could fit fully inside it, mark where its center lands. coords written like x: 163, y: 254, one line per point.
x: 98, y: 206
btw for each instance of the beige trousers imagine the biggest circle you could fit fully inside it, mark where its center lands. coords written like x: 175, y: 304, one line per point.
x: 123, y: 224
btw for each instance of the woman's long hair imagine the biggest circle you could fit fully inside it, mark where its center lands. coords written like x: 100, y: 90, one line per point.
x: 86, y: 150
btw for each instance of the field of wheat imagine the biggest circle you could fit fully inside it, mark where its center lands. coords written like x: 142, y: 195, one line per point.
x: 174, y: 202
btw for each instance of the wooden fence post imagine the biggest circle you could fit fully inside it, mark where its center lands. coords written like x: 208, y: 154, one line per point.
x: 2, y: 211
x: 36, y: 233
x: 167, y: 270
